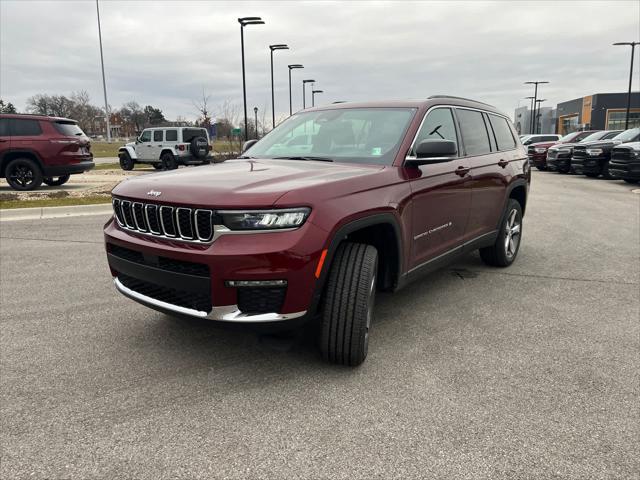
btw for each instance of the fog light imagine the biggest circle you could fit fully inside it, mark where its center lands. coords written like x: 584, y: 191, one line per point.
x: 255, y: 283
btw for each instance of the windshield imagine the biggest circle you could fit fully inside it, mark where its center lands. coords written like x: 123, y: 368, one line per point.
x: 69, y: 129
x: 355, y: 135
x: 594, y: 136
x: 627, y: 135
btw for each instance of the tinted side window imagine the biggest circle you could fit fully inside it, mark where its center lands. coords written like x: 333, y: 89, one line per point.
x: 157, y: 135
x: 439, y: 124
x: 474, y: 132
x: 171, y: 135
x: 4, y: 127
x: 146, y: 136
x: 504, y: 137
x: 23, y: 128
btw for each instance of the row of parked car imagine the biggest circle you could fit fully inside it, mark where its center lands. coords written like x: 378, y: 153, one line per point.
x: 611, y: 154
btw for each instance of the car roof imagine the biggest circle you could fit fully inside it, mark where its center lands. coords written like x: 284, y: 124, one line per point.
x: 426, y: 103
x: 37, y: 117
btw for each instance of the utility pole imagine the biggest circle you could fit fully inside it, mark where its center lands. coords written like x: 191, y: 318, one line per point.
x: 104, y: 82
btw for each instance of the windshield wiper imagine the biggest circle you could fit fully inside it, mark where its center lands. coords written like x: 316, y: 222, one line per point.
x: 320, y: 159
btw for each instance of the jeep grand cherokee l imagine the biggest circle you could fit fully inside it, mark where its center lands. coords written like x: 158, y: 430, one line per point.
x: 537, y: 152
x: 374, y: 196
x: 592, y: 159
x: 37, y: 148
x: 559, y: 156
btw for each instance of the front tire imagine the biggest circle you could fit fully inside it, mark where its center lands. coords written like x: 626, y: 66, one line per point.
x: 542, y: 169
x: 57, y: 181
x: 23, y: 174
x: 126, y: 162
x: 628, y: 180
x: 348, y: 304
x: 605, y: 171
x: 505, y: 250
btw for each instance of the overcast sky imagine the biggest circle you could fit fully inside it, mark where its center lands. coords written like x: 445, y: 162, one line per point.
x: 164, y: 53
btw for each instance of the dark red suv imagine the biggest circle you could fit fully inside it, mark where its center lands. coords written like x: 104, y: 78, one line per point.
x: 38, y: 148
x: 334, y: 204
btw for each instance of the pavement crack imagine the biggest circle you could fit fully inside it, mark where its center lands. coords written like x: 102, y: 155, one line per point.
x: 552, y: 277
x: 50, y: 240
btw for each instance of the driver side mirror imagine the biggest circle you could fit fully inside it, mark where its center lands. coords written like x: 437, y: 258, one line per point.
x: 433, y: 151
x: 248, y: 144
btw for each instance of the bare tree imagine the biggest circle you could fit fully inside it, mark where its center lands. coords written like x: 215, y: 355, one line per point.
x: 202, y: 106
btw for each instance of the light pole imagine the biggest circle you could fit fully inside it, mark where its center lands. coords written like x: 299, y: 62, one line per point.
x: 291, y: 67
x: 243, y: 22
x: 313, y: 96
x: 530, y: 111
x: 280, y: 46
x: 104, y: 82
x: 535, y: 97
x: 538, y: 122
x: 633, y: 47
x: 304, y: 92
x: 255, y: 111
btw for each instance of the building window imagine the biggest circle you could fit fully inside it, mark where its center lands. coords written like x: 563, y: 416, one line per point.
x: 616, y: 119
x: 568, y: 124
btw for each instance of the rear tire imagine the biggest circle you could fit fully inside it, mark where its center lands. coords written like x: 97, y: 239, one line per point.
x: 505, y: 250
x: 348, y: 304
x: 57, y: 181
x: 168, y: 161
x: 23, y: 174
x: 592, y: 175
x: 158, y: 166
x: 126, y: 162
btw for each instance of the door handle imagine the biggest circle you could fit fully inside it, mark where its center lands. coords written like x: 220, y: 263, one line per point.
x: 462, y: 171
x: 503, y: 163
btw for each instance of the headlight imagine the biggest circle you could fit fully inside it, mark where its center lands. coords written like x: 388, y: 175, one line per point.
x: 540, y: 149
x: 594, y: 151
x: 264, y: 219
x: 636, y: 153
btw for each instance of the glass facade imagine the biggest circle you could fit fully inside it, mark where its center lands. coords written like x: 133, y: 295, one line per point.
x: 616, y: 119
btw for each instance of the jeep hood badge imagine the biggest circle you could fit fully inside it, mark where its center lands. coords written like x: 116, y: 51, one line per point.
x: 154, y: 193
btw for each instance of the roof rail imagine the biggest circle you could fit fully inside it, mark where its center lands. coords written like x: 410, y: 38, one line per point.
x: 458, y: 98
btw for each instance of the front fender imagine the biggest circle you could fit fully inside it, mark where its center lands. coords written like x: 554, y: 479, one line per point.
x: 130, y: 150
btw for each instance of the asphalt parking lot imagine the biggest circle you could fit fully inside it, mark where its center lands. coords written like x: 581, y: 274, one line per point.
x: 529, y: 372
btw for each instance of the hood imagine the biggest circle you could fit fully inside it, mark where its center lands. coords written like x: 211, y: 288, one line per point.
x: 599, y: 144
x: 565, y: 145
x: 242, y: 183
x: 630, y: 146
x: 542, y: 144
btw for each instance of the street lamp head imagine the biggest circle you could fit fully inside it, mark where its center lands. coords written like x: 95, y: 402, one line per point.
x: 308, y: 81
x: 279, y: 46
x: 295, y: 65
x: 529, y: 98
x: 534, y: 83
x: 317, y: 91
x: 255, y: 109
x: 250, y: 21
x: 627, y: 43
x: 541, y: 100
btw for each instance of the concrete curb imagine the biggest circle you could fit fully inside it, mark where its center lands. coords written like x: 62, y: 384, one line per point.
x: 39, y: 213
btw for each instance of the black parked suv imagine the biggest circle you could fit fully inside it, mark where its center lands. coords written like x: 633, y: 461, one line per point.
x: 559, y: 156
x: 625, y: 162
x: 592, y: 159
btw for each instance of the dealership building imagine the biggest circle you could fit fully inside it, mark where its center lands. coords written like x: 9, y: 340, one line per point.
x: 600, y: 111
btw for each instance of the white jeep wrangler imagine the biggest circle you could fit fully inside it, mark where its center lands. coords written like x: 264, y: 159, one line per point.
x: 166, y: 148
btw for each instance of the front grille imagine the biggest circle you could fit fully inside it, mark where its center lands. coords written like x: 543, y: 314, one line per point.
x: 261, y: 300
x: 580, y: 153
x: 192, y: 225
x: 531, y: 150
x: 552, y: 154
x: 164, y: 263
x: 174, y: 296
x: 622, y: 154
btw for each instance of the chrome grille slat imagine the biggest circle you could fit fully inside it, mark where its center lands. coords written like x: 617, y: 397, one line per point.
x: 165, y: 221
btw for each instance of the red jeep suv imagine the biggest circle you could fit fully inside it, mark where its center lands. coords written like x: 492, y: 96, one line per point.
x: 334, y: 204
x: 38, y: 148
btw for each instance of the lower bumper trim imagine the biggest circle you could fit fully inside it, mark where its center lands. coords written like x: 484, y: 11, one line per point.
x: 226, y: 313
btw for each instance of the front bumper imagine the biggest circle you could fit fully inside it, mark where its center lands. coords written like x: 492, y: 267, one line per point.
x: 291, y: 256
x: 625, y: 170
x: 539, y: 160
x: 587, y: 165
x: 559, y: 163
